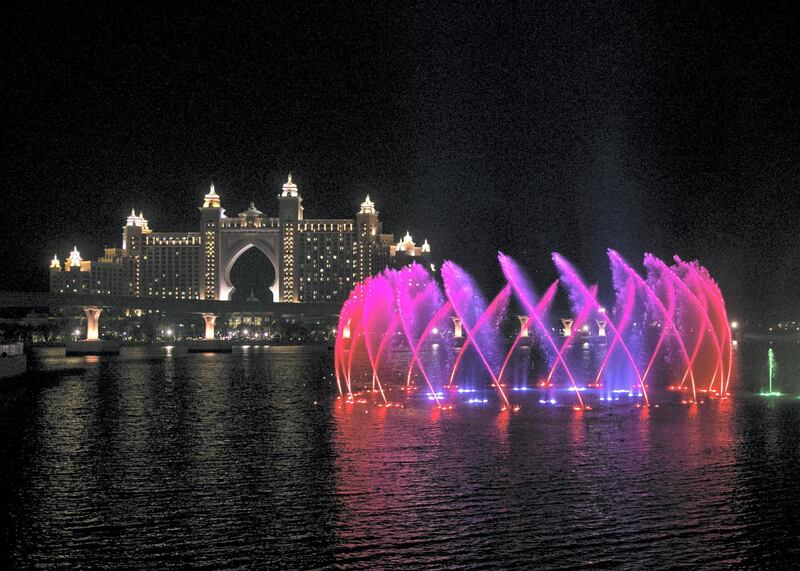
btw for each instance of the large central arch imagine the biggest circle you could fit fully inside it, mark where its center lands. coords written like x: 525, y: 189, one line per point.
x: 234, y: 245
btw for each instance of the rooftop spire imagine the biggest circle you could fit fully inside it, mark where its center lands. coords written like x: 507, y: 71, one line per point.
x: 367, y: 207
x: 290, y: 188
x: 251, y: 211
x: 75, y: 257
x: 132, y: 219
x: 142, y: 221
x: 211, y: 200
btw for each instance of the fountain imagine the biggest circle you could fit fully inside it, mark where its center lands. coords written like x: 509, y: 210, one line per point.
x: 666, y: 336
x: 771, y: 367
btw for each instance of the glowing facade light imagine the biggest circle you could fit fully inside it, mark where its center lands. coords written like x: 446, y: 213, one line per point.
x: 367, y: 207
x: 133, y: 218
x: 75, y: 257
x: 289, y: 188
x: 141, y: 221
x: 212, y: 199
x: 407, y: 244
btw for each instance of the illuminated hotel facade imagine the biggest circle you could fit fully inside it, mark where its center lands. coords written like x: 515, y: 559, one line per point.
x: 314, y: 260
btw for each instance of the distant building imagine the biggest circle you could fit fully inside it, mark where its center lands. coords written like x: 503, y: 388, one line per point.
x: 314, y: 260
x: 406, y: 251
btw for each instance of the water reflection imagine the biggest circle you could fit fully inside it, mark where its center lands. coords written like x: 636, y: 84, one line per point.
x: 248, y: 459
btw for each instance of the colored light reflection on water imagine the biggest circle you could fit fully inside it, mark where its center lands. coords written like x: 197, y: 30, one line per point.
x: 249, y: 459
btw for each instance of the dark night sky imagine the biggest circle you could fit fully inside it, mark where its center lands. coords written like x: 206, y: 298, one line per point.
x: 526, y: 127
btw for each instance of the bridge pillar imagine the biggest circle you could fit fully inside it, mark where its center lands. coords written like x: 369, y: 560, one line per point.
x: 458, y: 332
x: 601, y: 328
x: 92, y: 345
x: 92, y: 322
x: 567, y: 323
x: 210, y: 319
x: 523, y: 325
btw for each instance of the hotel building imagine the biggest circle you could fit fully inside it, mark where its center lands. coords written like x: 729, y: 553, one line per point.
x: 315, y: 260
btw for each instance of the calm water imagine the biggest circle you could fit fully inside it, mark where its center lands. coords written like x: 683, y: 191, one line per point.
x: 245, y: 460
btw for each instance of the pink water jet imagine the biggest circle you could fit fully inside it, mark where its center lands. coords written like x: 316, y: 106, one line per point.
x: 407, y: 329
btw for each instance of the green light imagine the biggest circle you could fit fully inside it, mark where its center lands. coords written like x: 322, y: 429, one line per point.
x: 772, y: 367
x: 771, y: 363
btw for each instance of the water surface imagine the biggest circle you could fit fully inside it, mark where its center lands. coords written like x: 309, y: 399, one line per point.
x: 247, y: 459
